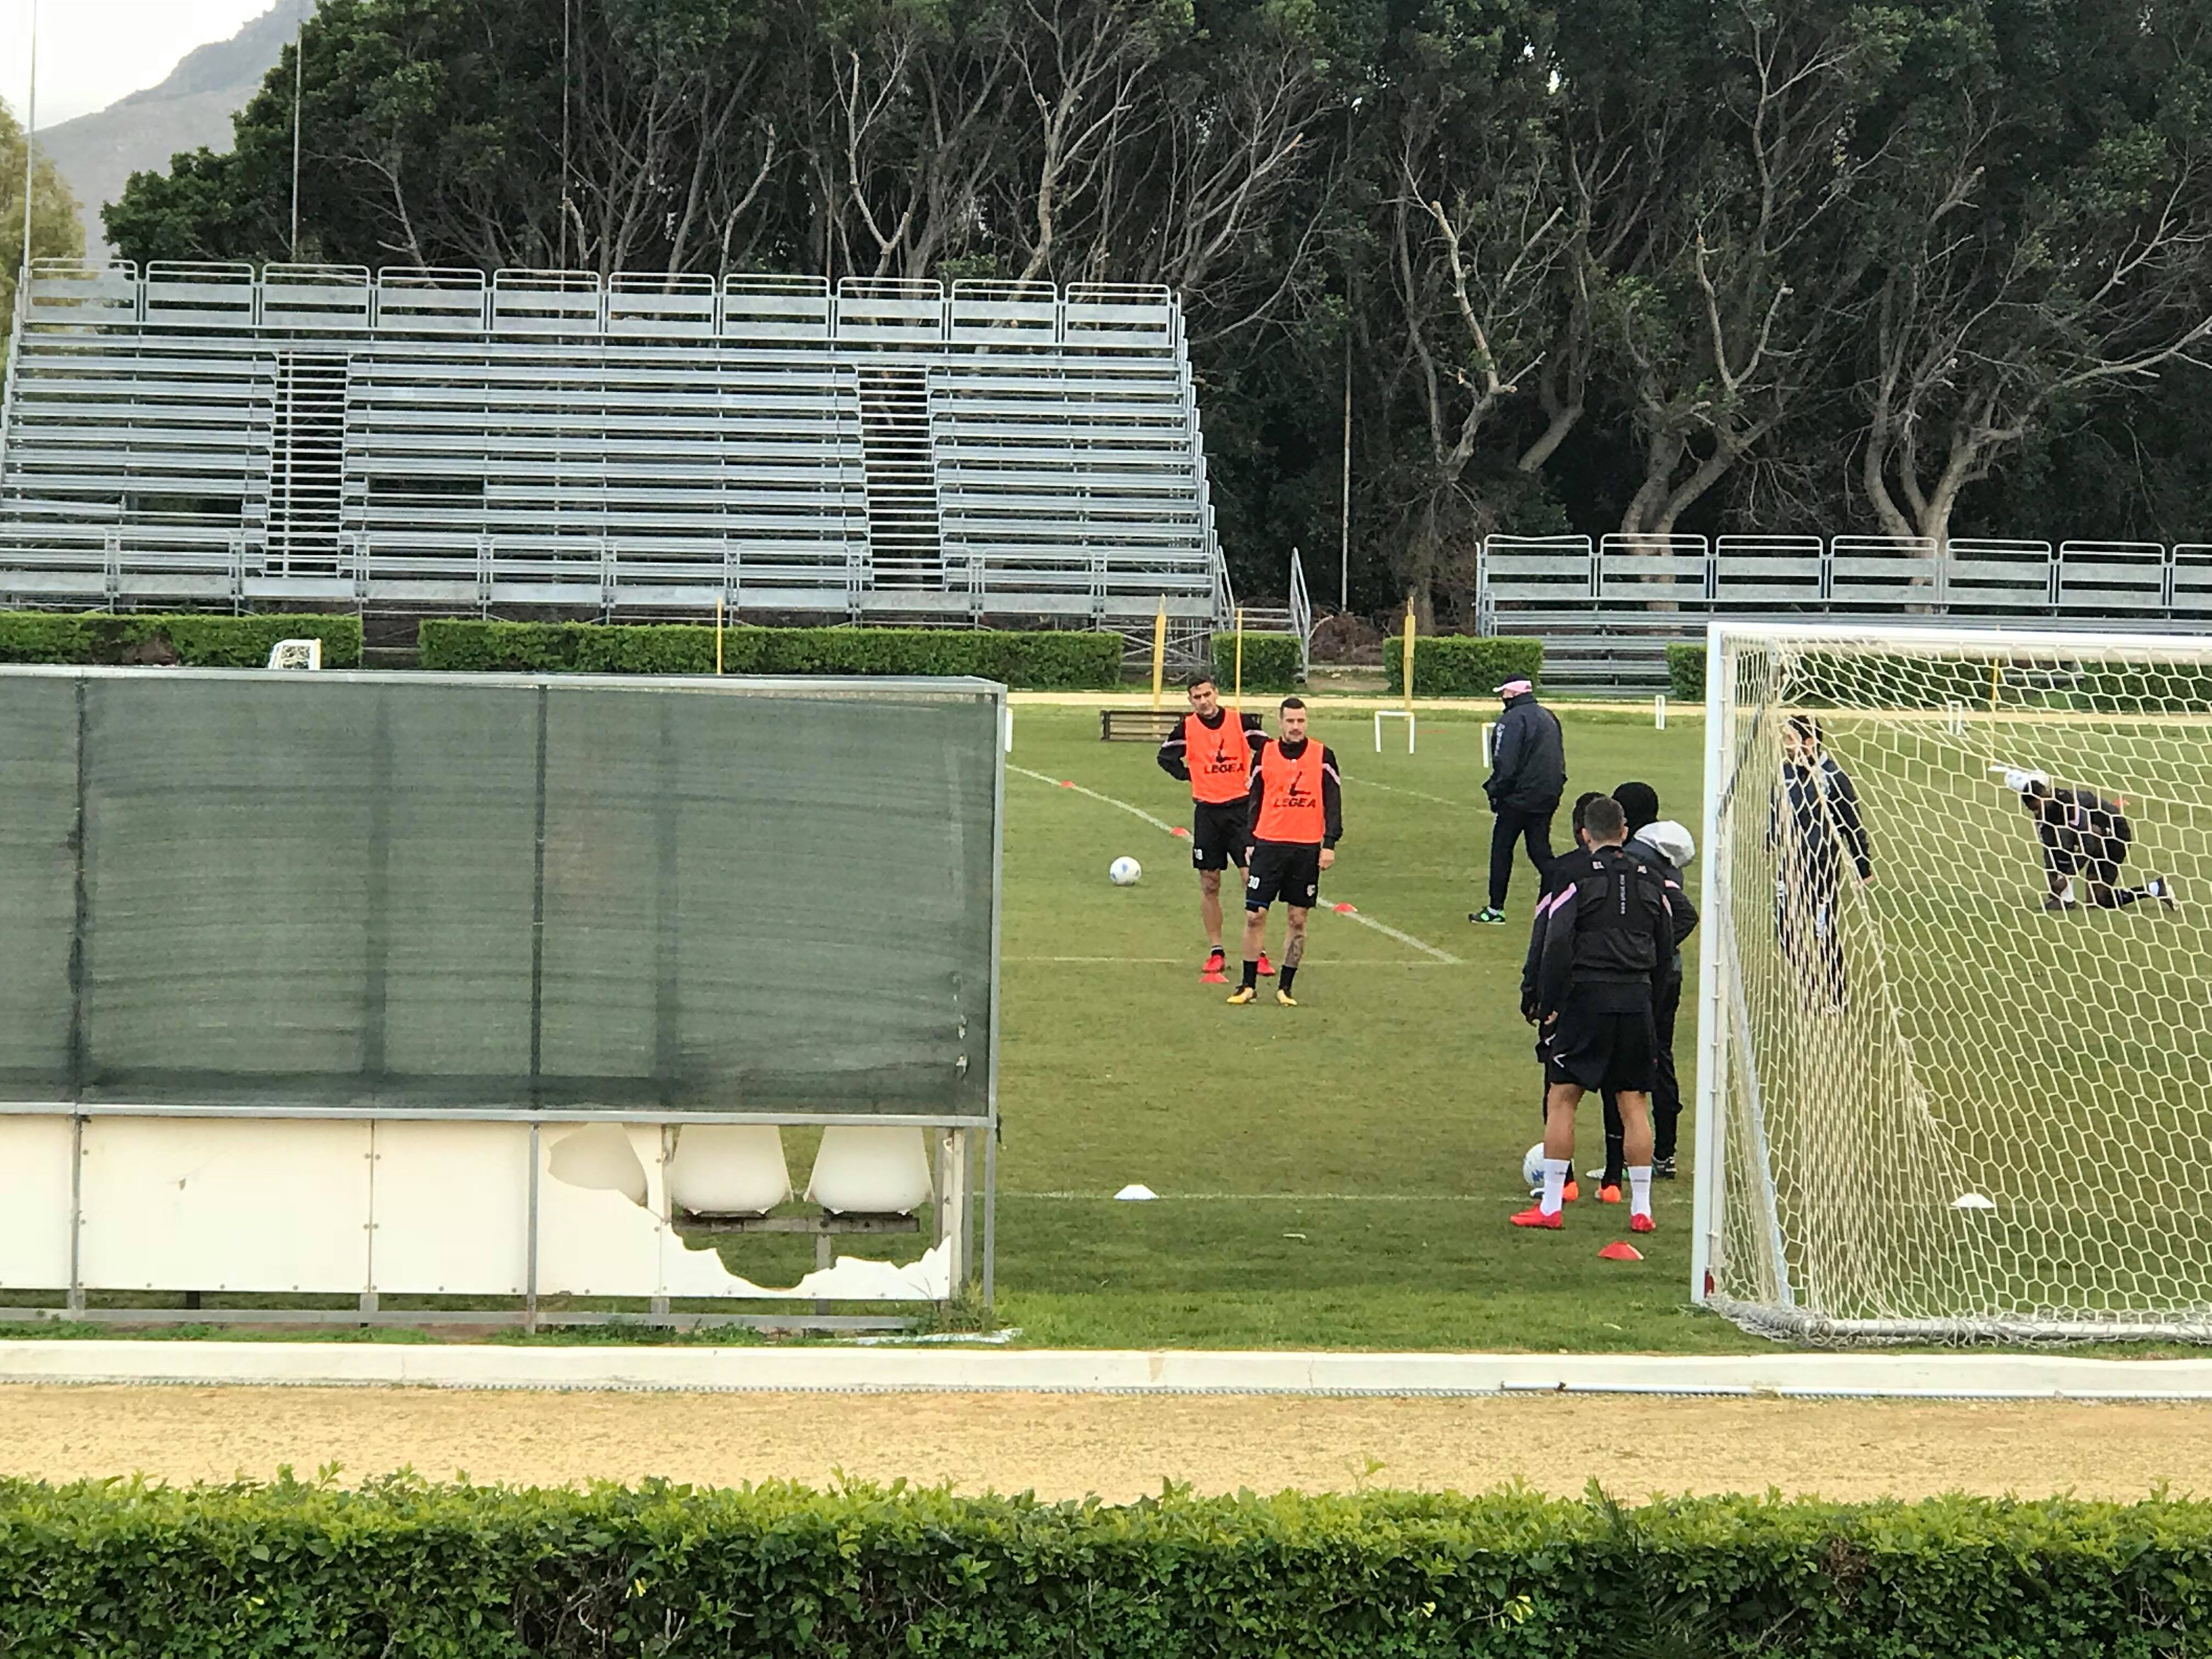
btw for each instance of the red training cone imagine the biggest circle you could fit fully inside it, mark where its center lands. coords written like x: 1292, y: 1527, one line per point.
x: 1619, y: 1250
x: 1342, y: 909
x: 1180, y: 831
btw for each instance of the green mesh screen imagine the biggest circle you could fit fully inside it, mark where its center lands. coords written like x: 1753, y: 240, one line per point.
x: 405, y: 890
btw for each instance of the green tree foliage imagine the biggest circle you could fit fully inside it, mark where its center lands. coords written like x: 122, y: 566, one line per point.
x: 1914, y: 266
x: 56, y: 231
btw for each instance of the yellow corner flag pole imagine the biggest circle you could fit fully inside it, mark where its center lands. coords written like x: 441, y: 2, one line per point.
x: 1237, y: 698
x: 718, y: 633
x: 1409, y: 652
x: 1159, y: 650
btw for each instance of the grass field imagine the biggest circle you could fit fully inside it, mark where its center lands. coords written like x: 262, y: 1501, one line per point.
x: 1336, y: 1175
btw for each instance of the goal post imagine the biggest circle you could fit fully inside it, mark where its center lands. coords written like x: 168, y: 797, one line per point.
x: 1955, y: 1009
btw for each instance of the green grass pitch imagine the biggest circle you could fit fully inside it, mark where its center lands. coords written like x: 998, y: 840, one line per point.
x: 1335, y: 1175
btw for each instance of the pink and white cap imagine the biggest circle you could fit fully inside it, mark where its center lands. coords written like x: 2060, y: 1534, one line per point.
x: 1515, y: 688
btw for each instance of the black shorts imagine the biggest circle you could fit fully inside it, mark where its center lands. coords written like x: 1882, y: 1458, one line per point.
x: 1220, y: 832
x: 1288, y: 870
x: 1598, y: 1050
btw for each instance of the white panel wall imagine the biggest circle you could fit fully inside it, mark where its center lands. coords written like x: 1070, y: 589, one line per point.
x: 225, y: 1204
x: 34, y: 1202
x: 452, y: 1209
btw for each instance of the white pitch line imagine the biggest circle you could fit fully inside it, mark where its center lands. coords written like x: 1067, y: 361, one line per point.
x: 1062, y: 783
x: 1357, y: 915
x: 1156, y: 962
x: 1274, y: 1198
x: 1400, y: 789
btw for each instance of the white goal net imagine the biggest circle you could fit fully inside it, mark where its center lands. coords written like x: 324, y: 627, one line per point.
x: 1955, y: 1013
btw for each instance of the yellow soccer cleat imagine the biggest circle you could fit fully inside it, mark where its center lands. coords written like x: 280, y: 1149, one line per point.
x: 1285, y: 998
x: 1243, y: 995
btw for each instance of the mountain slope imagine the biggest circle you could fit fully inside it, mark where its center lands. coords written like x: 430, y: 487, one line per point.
x: 98, y: 152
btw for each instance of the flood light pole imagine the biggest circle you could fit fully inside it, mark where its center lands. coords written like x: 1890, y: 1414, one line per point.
x: 30, y: 148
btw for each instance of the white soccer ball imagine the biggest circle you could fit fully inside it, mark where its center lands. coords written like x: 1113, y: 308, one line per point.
x: 1532, y: 1165
x: 1124, y: 872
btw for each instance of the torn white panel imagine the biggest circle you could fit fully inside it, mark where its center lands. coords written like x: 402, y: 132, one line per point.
x: 596, y: 1235
x: 850, y: 1278
x: 728, y: 1169
x: 865, y: 1170
x: 595, y: 1238
x: 34, y: 1203
x: 213, y: 1204
x: 1136, y: 1193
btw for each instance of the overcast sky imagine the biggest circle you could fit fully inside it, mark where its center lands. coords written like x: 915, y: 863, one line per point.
x: 91, y: 52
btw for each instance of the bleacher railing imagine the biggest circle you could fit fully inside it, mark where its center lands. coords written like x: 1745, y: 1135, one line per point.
x: 1654, y: 583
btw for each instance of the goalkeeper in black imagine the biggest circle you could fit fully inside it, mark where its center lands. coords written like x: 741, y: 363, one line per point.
x: 1607, y: 940
x: 2084, y: 835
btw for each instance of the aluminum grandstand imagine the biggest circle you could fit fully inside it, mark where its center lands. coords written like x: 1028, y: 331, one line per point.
x: 434, y: 440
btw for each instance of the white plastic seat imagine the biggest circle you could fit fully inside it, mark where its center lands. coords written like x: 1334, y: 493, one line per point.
x: 868, y: 1170
x: 728, y: 1169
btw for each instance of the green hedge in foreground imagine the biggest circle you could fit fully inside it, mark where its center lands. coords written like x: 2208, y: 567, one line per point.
x: 1271, y: 662
x: 1462, y: 665
x: 400, y: 1567
x: 1038, y: 661
x: 196, y: 642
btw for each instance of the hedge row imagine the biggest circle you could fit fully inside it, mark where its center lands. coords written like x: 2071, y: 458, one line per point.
x: 1026, y: 660
x: 1686, y: 673
x: 193, y: 641
x: 402, y: 1567
x: 1462, y: 665
x: 1271, y: 661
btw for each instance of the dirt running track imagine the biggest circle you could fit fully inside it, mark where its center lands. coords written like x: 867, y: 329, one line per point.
x: 1118, y: 1446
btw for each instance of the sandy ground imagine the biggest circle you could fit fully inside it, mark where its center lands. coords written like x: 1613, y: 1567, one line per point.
x: 1117, y: 1446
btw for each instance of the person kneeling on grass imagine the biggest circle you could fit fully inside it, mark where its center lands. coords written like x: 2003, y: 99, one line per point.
x: 1298, y: 816
x: 1605, y: 942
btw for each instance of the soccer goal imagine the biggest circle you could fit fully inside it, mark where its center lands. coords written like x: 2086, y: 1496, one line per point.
x: 1955, y: 997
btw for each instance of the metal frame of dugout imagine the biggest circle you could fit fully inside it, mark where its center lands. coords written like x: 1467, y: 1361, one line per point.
x: 269, y: 1193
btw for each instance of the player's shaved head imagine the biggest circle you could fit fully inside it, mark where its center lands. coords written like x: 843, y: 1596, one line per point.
x: 1607, y: 823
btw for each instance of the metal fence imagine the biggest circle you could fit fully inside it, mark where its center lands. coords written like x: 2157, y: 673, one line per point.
x: 1660, y: 584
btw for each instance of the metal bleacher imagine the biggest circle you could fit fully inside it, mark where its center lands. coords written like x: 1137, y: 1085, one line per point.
x: 1607, y: 610
x: 213, y: 435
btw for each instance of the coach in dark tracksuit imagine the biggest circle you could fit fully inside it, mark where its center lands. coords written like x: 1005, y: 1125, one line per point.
x: 2083, y: 834
x: 1528, y: 770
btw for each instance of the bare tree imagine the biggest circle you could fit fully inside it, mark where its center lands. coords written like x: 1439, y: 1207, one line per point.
x: 1991, y: 315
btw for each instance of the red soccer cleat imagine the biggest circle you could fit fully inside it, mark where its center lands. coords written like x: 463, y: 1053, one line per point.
x: 1267, y: 967
x: 1641, y: 1223
x: 1608, y: 1194
x: 1533, y: 1216
x: 1214, y: 971
x: 1570, y: 1193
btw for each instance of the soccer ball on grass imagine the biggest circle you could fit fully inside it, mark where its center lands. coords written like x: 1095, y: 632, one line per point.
x: 1124, y: 872
x: 1532, y: 1165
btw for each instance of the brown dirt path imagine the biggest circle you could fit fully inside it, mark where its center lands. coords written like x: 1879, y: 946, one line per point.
x: 1118, y: 1446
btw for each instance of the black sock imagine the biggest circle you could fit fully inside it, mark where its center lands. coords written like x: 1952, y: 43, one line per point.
x: 1251, y: 973
x: 1213, y: 950
x: 1286, y: 973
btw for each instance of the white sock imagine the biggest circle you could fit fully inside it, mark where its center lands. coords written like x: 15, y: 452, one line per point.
x: 1639, y: 1189
x: 1556, y: 1170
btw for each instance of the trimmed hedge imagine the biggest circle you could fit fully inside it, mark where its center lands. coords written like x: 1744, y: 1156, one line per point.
x: 1686, y: 672
x: 1038, y: 661
x: 1463, y: 664
x: 96, y: 636
x: 1271, y: 661
x: 403, y: 1567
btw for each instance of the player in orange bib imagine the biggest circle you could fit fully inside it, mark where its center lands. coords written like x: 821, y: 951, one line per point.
x: 1210, y: 750
x: 1298, y: 817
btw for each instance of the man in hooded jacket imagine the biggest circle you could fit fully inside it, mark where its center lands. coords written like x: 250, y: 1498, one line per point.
x: 1528, y: 773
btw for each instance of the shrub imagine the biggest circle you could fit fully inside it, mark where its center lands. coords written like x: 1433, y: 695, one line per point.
x: 1039, y: 661
x: 97, y: 636
x: 1463, y: 664
x: 1271, y: 661
x: 1686, y: 672
x: 401, y: 1567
